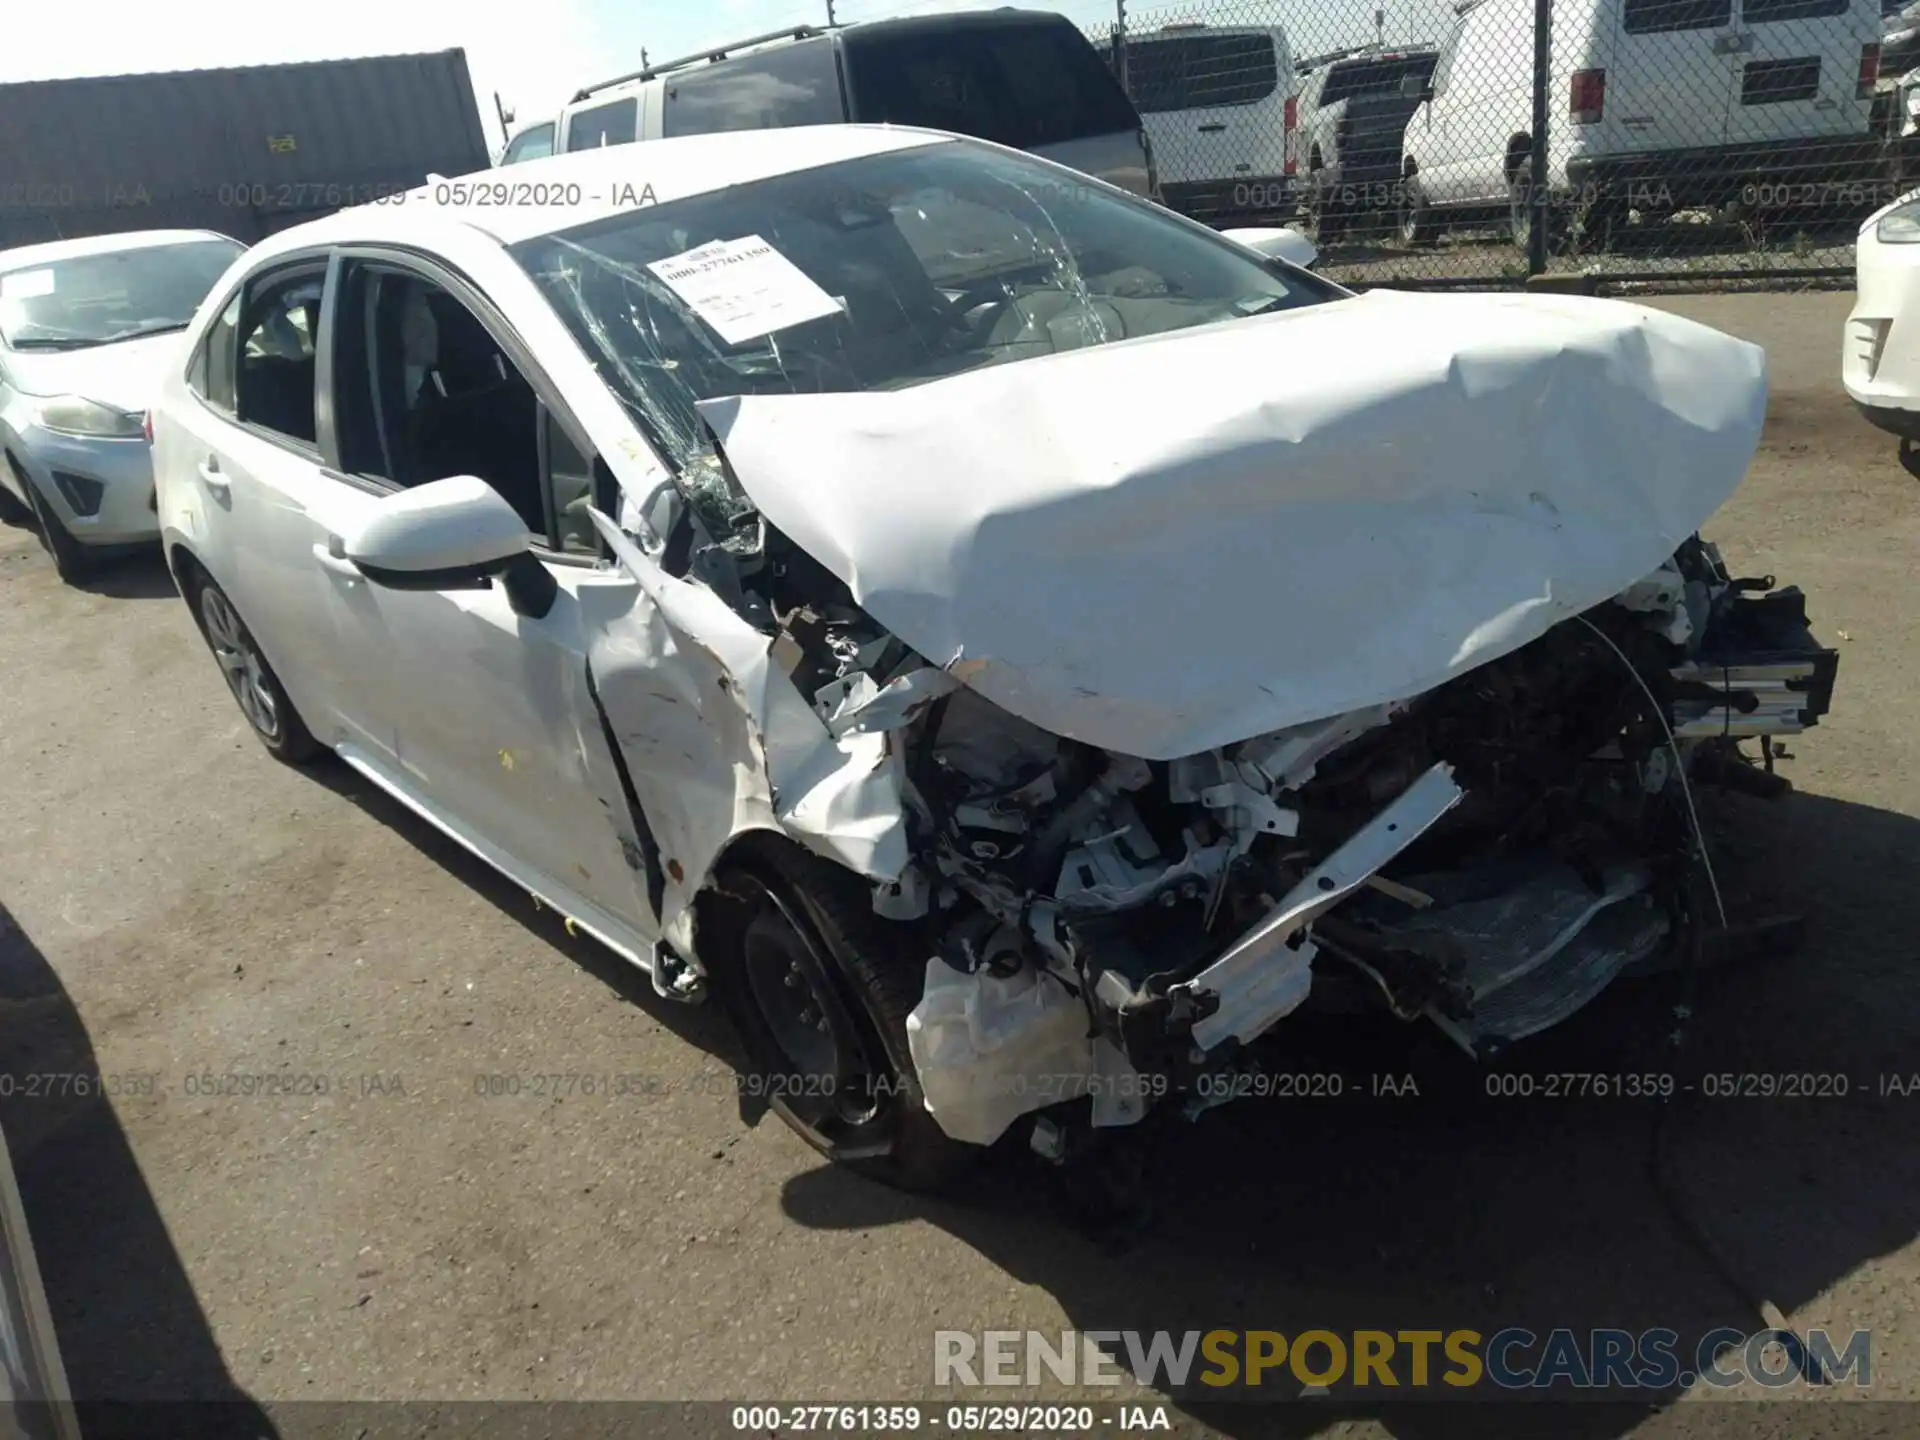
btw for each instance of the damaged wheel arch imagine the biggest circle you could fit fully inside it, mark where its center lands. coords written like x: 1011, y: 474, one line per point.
x: 819, y: 989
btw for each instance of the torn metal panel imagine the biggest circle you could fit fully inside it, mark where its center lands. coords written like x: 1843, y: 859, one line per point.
x: 1453, y: 476
x: 718, y: 741
x: 1264, y: 974
x: 1541, y: 948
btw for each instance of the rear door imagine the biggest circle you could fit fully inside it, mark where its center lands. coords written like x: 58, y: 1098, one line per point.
x: 1213, y: 104
x: 1670, y: 77
x: 1800, y: 66
x: 246, y: 452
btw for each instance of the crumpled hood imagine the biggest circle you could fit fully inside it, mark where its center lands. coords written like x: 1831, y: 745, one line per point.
x: 1165, y: 545
x: 125, y: 375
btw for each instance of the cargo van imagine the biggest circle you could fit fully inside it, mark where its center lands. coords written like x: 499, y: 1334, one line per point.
x: 1656, y: 106
x: 1353, y: 111
x: 1027, y: 79
x: 1219, y: 106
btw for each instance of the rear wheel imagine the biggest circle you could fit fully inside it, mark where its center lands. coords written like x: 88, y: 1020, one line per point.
x: 1418, y: 225
x: 1332, y: 217
x: 257, y: 690
x: 1520, y: 208
x: 820, y: 989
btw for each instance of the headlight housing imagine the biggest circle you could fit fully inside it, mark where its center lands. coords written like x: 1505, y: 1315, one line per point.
x: 77, y: 415
x: 1900, y: 225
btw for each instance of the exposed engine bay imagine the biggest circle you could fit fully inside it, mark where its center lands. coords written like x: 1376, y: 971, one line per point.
x: 1486, y: 856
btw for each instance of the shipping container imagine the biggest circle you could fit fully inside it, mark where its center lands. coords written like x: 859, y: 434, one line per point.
x: 245, y: 151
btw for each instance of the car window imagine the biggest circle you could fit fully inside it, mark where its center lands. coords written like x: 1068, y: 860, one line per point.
x: 91, y: 300
x: 422, y: 391
x: 603, y: 125
x: 570, y: 481
x: 278, y: 333
x: 211, y: 376
x: 1020, y: 84
x: 792, y: 85
x: 1662, y: 17
x: 533, y: 144
x: 880, y: 273
x: 1769, y: 12
x: 1376, y: 75
x: 1197, y: 72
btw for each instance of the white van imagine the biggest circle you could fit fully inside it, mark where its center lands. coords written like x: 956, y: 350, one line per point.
x: 1027, y: 79
x: 1655, y: 106
x: 1219, y: 105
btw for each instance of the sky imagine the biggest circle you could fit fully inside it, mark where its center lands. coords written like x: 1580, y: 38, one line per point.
x: 534, y: 67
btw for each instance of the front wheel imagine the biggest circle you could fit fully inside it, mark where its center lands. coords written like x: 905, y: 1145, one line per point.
x: 70, y: 558
x: 12, y: 510
x: 820, y: 989
x: 257, y: 690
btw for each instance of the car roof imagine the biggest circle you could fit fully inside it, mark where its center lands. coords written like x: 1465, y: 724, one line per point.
x: 559, y: 192
x: 47, y: 252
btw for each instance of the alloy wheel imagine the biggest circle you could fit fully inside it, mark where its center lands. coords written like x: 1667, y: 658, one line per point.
x: 240, y: 663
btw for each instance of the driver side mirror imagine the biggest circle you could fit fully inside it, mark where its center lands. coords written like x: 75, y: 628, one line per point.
x: 1413, y: 87
x: 452, y: 534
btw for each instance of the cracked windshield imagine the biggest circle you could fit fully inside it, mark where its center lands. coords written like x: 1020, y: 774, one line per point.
x: 907, y: 267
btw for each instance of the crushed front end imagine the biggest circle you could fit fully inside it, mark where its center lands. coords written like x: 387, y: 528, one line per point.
x: 1487, y: 856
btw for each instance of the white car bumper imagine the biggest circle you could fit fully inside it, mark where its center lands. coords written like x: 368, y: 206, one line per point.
x: 1880, y: 352
x: 101, y: 489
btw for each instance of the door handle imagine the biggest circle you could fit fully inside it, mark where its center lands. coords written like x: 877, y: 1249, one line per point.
x: 1212, y: 127
x: 1732, y: 44
x: 211, y: 477
x: 338, y: 564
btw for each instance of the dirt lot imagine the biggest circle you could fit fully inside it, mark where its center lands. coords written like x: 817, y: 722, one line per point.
x: 175, y: 904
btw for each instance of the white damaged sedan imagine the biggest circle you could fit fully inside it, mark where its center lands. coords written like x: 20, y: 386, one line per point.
x: 916, y: 595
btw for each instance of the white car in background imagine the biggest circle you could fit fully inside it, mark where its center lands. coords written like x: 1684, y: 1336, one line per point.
x: 86, y: 329
x: 1880, y: 349
x: 910, y: 593
x: 1656, y: 107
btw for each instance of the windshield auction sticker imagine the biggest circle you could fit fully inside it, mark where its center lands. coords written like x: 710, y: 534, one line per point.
x: 744, y: 288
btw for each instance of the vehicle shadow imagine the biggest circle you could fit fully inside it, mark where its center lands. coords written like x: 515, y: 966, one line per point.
x: 140, y: 1356
x: 139, y: 574
x: 703, y: 1025
x: 1455, y: 1208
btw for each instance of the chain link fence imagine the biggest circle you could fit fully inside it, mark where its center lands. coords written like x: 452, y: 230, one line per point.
x: 1480, y: 143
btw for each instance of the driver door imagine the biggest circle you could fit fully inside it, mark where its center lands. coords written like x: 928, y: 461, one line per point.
x: 497, y: 735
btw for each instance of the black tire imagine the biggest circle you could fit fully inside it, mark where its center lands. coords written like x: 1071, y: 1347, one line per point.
x: 70, y: 558
x: 1332, y: 219
x: 12, y: 511
x: 802, y: 932
x: 1418, y: 225
x: 262, y: 699
x: 1520, y: 218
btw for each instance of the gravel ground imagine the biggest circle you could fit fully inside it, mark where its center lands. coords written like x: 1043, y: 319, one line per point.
x: 174, y: 903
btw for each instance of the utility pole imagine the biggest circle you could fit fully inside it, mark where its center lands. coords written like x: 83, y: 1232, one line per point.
x: 1380, y: 29
x: 1120, y: 43
x: 830, y: 20
x: 1537, y: 163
